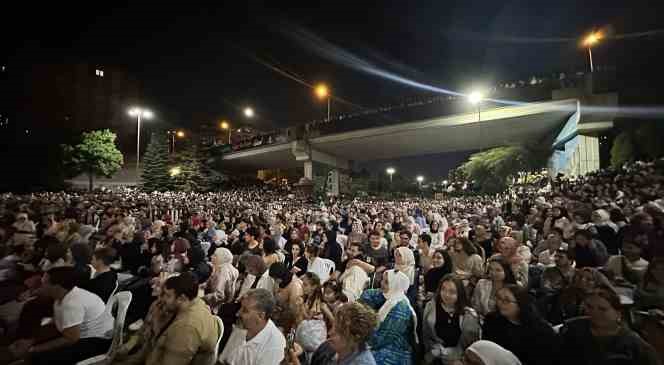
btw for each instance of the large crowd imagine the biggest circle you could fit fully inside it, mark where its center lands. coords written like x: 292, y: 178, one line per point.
x: 568, y: 273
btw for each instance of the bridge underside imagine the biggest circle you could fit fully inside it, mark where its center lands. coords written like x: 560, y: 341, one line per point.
x: 461, y: 132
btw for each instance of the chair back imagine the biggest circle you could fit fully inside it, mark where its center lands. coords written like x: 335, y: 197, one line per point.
x: 221, y: 335
x: 92, y: 271
x: 117, y: 285
x: 122, y: 300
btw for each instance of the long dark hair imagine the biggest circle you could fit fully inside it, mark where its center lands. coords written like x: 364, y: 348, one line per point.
x: 317, y: 293
x: 528, y: 315
x: 462, y: 299
x: 509, y: 274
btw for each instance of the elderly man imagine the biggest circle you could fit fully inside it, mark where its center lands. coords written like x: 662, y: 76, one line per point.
x: 264, y: 344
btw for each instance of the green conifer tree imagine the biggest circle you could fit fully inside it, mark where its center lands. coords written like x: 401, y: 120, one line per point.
x: 155, y: 175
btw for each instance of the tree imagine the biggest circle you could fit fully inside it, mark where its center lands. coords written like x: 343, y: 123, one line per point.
x: 623, y: 149
x: 492, y: 169
x: 96, y: 155
x: 155, y: 176
x: 187, y: 170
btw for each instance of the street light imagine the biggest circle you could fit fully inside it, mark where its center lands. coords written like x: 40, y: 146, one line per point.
x: 173, y: 134
x: 139, y: 113
x: 323, y: 92
x: 591, y: 40
x: 390, y: 171
x: 224, y: 125
x: 476, y: 98
x: 419, y: 179
x: 175, y: 171
x: 249, y: 112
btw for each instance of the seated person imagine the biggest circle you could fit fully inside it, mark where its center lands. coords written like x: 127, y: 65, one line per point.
x: 84, y: 325
x: 650, y: 292
x: 105, y: 280
x: 553, y: 243
x: 484, y: 295
x: 548, y: 295
x: 629, y: 267
x: 355, y: 272
x: 450, y: 324
x: 517, y: 327
x: 376, y: 254
x: 602, y: 337
x: 192, y: 335
x: 392, y: 341
x: 263, y: 344
x: 589, y: 252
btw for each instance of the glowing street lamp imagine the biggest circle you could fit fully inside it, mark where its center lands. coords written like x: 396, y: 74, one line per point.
x: 139, y: 113
x: 390, y: 171
x: 323, y: 92
x: 224, y: 125
x: 249, y: 112
x: 591, y: 40
x: 419, y: 179
x: 180, y: 134
x: 175, y: 171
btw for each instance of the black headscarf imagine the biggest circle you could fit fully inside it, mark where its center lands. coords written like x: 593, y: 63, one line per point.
x: 433, y: 276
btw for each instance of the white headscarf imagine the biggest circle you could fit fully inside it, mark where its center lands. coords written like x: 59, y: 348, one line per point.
x: 493, y: 354
x: 605, y: 219
x: 408, y: 266
x: 224, y: 256
x: 397, y: 286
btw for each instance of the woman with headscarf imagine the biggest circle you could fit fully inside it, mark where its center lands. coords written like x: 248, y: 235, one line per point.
x: 220, y: 288
x: 488, y: 353
x: 517, y: 256
x: 441, y: 265
x: 605, y: 230
x: 392, y: 342
x: 404, y: 261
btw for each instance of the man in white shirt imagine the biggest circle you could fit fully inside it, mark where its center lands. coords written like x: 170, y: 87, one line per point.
x: 264, y: 343
x: 86, y: 328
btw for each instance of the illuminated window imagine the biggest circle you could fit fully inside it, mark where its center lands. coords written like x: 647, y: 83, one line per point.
x: 99, y: 73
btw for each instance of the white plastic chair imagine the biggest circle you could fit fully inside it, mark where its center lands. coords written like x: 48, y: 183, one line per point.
x: 117, y: 285
x: 122, y: 299
x: 221, y: 334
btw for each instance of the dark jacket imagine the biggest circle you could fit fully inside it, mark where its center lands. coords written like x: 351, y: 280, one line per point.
x: 579, y: 347
x: 102, y: 284
x: 533, y: 345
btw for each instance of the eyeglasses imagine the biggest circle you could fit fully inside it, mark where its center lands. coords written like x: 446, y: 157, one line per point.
x: 505, y: 300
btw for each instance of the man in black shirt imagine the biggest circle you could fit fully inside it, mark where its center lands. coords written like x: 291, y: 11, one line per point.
x: 105, y: 280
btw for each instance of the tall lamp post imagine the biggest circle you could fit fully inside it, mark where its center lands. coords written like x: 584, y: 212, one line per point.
x: 419, y: 179
x: 225, y: 126
x: 323, y: 92
x: 139, y: 113
x: 390, y: 171
x: 173, y: 134
x: 591, y: 40
x: 476, y: 98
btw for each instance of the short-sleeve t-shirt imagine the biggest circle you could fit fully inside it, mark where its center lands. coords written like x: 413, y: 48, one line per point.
x: 86, y: 310
x: 379, y: 257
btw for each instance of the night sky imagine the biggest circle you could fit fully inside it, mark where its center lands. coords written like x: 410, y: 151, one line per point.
x: 200, y: 64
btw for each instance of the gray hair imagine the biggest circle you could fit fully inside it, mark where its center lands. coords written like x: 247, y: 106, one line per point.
x: 263, y: 299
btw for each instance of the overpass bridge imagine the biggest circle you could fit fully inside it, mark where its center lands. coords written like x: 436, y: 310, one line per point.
x: 574, y: 123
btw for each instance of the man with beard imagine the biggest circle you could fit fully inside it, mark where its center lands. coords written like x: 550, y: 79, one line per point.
x: 191, y: 336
